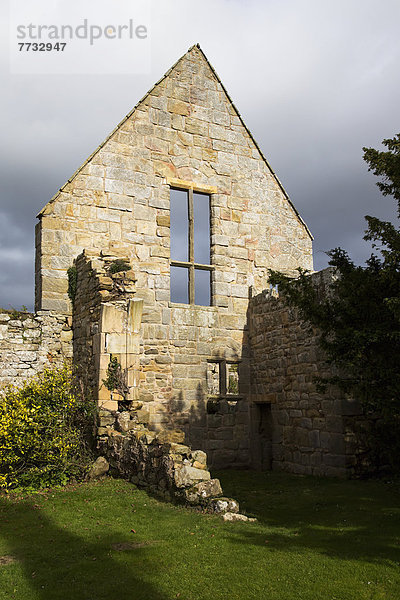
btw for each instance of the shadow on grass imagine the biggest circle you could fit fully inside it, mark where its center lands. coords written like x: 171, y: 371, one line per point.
x: 59, y: 565
x: 353, y: 520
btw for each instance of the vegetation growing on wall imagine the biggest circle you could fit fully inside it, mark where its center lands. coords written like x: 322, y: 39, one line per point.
x: 72, y: 282
x: 44, y: 431
x: 360, y: 321
x: 119, y: 265
x: 15, y: 313
x: 116, y: 378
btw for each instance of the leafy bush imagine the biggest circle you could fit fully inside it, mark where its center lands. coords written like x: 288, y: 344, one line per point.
x: 72, y: 282
x: 359, y: 322
x: 116, y: 378
x: 44, y: 427
x: 119, y: 265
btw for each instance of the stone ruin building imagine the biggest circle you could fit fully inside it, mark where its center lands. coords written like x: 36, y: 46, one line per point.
x: 153, y: 259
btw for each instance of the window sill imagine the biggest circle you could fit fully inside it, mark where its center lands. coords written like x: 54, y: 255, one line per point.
x: 191, y: 306
x: 214, y: 406
x: 225, y: 397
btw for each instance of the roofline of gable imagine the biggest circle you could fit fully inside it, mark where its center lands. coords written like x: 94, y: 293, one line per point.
x: 130, y: 113
x: 256, y: 145
x: 103, y: 143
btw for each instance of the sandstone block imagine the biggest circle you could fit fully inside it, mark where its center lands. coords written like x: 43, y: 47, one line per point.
x: 180, y: 449
x: 179, y: 107
x: 230, y: 517
x: 99, y: 468
x: 66, y: 336
x: 170, y: 437
x: 201, y: 492
x: 123, y: 421
x: 198, y: 465
x: 193, y: 125
x: 199, y: 456
x: 106, y: 420
x: 163, y: 220
x: 111, y: 405
x: 186, y: 476
x: 223, y: 505
x: 143, y: 416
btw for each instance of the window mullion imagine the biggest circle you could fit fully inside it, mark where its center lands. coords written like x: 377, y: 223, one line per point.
x: 191, y: 284
x: 223, y: 377
x: 191, y: 227
x: 191, y: 247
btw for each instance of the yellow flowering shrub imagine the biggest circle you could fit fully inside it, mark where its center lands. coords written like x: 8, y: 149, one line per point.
x: 43, y: 431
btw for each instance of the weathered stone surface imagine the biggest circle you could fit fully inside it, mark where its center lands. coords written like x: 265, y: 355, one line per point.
x: 186, y: 476
x: 124, y: 421
x: 167, y: 436
x: 203, y: 491
x: 185, y: 134
x: 231, y: 517
x: 143, y: 416
x: 181, y: 449
x: 153, y: 465
x: 106, y: 420
x: 223, y: 505
x: 99, y: 468
x: 199, y: 456
x: 31, y: 343
x: 198, y: 465
x: 306, y: 429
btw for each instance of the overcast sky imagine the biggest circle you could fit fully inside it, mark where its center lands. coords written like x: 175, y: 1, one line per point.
x: 314, y: 80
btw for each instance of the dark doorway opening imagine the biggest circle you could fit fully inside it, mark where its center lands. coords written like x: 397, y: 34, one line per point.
x: 262, y: 441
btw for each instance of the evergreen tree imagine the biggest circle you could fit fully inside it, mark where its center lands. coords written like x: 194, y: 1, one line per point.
x: 359, y: 321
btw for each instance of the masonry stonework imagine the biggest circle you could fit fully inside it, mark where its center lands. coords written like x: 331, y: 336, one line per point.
x: 108, y: 324
x: 187, y: 134
x: 29, y: 343
x: 233, y: 379
x: 300, y: 429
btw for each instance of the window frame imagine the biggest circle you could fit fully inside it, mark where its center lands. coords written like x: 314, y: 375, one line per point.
x: 223, y: 378
x: 191, y: 265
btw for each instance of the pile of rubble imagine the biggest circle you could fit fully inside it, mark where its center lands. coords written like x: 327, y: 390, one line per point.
x: 161, y: 463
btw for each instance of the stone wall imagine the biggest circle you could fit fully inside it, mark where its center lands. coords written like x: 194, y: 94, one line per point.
x: 166, y: 379
x: 107, y: 326
x: 174, y: 368
x: 165, y: 467
x: 185, y: 133
x: 296, y: 428
x: 30, y: 342
x: 102, y: 327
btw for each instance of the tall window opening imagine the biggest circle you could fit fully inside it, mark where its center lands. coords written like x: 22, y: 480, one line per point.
x: 190, y: 247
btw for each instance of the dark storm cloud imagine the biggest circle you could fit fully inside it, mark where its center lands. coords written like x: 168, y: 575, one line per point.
x: 315, y: 82
x: 16, y: 264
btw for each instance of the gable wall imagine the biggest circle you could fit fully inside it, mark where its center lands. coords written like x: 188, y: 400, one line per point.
x: 185, y: 129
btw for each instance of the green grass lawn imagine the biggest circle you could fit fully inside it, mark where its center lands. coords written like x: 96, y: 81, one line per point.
x: 315, y: 539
